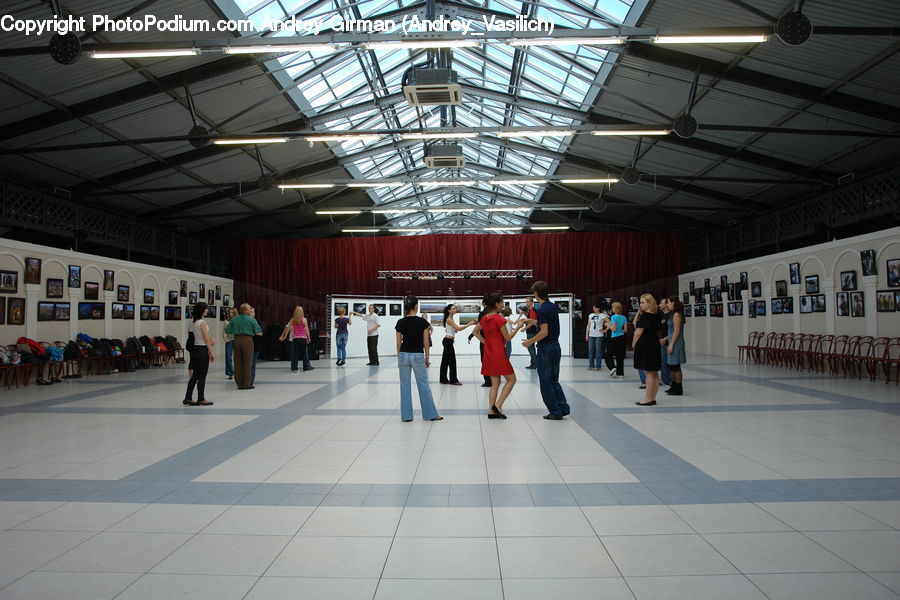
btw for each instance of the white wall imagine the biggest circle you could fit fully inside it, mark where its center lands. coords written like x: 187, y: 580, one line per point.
x: 721, y: 336
x: 55, y: 265
x: 387, y: 344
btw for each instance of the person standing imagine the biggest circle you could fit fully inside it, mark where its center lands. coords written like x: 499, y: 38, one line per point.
x: 257, y: 344
x: 297, y: 329
x: 201, y: 356
x: 594, y: 336
x: 548, y: 353
x: 448, y: 357
x: 414, y: 355
x: 665, y: 378
x: 494, y: 335
x: 341, y: 335
x: 373, y: 324
x: 531, y: 331
x: 675, y: 351
x: 484, y: 311
x: 229, y: 346
x: 617, y: 325
x: 646, y: 347
x: 510, y: 324
x: 243, y: 327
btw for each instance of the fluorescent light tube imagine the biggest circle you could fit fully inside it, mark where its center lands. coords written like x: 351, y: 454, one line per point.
x: 395, y: 211
x: 710, y: 39
x: 268, y: 49
x: 570, y: 41
x: 360, y: 230
x: 242, y: 141
x: 550, y: 228
x: 375, y: 184
x: 536, y: 133
x: 502, y: 228
x: 144, y: 53
x: 438, y: 135
x: 630, y: 132
x: 451, y: 210
x: 306, y: 186
x: 407, y: 230
x: 448, y: 183
x: 577, y: 181
x: 518, y: 181
x: 349, y: 137
x: 509, y: 209
x: 338, y: 212
x: 414, y: 44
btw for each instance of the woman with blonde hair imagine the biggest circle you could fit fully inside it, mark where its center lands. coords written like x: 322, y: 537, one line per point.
x: 297, y: 330
x: 647, y: 356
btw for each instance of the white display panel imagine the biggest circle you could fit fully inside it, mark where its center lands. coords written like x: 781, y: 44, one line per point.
x: 387, y: 344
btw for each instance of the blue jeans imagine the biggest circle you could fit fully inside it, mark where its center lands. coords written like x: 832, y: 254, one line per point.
x: 642, y: 376
x: 253, y: 371
x: 548, y: 355
x: 508, y: 349
x: 595, y: 352
x: 340, y: 340
x: 665, y: 377
x: 532, y: 351
x: 229, y: 364
x: 414, y: 362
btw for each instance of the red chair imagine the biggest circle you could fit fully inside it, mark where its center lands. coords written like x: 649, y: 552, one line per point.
x: 820, y: 353
x: 784, y: 353
x: 835, y: 359
x: 15, y: 373
x: 770, y: 350
x: 892, y: 360
x: 751, y: 343
x: 878, y: 355
x: 807, y: 347
x: 858, y: 353
x: 756, y: 352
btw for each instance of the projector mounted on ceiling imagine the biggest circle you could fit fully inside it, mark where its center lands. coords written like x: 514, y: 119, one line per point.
x: 432, y: 87
x: 444, y: 156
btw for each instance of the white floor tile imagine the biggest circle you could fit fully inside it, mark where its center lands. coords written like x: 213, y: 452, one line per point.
x: 338, y: 521
x: 728, y: 518
x: 446, y: 522
x: 646, y: 555
x: 118, y: 552
x: 556, y: 521
x: 547, y: 557
x: 268, y: 588
x: 439, y: 589
x: 82, y: 516
x: 332, y: 557
x: 170, y: 518
x: 196, y: 587
x: 694, y: 587
x: 224, y: 555
x: 821, y: 586
x: 776, y: 553
x: 865, y: 550
x: 451, y: 558
x: 821, y: 516
x: 260, y: 520
x: 68, y: 586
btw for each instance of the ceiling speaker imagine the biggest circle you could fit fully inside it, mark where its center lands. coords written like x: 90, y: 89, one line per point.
x: 599, y: 205
x: 685, y: 126
x: 306, y: 209
x: 631, y: 175
x: 198, y: 136
x: 266, y: 182
x: 793, y: 28
x: 578, y: 224
x: 65, y: 49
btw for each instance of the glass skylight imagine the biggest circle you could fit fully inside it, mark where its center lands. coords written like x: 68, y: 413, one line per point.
x: 504, y: 86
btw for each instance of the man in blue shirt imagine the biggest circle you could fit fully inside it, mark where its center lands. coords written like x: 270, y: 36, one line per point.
x: 548, y: 352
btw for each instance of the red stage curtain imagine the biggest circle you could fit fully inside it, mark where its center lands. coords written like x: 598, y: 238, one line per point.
x: 276, y: 274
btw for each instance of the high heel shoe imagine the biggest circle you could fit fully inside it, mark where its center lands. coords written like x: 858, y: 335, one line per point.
x: 495, y: 413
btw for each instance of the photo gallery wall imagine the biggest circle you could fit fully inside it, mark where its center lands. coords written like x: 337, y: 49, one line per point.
x: 848, y: 302
x: 50, y: 308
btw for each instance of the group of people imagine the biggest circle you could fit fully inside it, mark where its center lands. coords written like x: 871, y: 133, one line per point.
x: 659, y: 348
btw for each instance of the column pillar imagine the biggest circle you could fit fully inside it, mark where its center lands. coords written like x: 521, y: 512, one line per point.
x: 108, y: 299
x: 870, y: 285
x: 32, y: 294
x: 74, y: 299
x: 767, y: 298
x: 830, y: 311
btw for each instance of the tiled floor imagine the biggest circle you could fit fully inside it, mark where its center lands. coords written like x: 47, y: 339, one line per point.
x: 759, y: 483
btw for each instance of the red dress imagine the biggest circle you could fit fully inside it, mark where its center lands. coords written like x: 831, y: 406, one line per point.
x: 494, y: 361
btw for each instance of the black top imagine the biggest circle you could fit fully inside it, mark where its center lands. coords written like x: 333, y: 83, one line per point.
x: 647, y: 356
x: 663, y: 330
x: 483, y: 312
x: 412, y: 330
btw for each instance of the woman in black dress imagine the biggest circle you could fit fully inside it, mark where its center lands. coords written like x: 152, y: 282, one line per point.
x: 647, y: 356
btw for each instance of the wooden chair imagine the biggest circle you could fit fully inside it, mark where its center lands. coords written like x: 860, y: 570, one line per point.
x: 16, y: 373
x: 818, y: 357
x: 770, y: 350
x: 746, y: 348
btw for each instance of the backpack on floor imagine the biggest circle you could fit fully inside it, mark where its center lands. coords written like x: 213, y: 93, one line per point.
x: 133, y: 346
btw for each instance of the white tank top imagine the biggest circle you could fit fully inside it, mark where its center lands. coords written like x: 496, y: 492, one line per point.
x: 449, y: 331
x: 198, y: 335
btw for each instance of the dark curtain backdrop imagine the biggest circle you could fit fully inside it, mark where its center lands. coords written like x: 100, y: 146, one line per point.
x: 274, y: 275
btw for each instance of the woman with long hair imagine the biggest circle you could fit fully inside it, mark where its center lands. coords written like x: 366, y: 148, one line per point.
x: 229, y: 344
x: 646, y: 347
x: 448, y: 357
x: 297, y: 329
x: 617, y: 325
x: 414, y: 355
x: 493, y: 333
x: 201, y: 356
x: 341, y: 335
x: 676, y: 355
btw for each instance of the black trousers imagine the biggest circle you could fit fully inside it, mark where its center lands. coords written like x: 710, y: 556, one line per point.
x: 617, y: 354
x: 372, y: 345
x: 487, y: 379
x: 448, y: 361
x: 200, y: 365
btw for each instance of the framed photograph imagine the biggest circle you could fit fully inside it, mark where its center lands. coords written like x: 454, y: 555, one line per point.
x: 787, y: 305
x: 723, y: 281
x: 211, y: 311
x: 173, y: 296
x: 2, y: 310
x: 760, y: 308
x: 145, y: 312
x: 118, y: 310
x: 867, y: 258
x: 884, y: 301
x: 688, y: 311
x: 360, y: 307
x: 738, y: 309
x: 109, y: 280
x: 395, y: 310
x: 756, y: 289
x: 731, y: 312
x: 62, y: 311
x: 381, y: 310
x: 187, y: 312
x: 91, y: 290
x: 122, y: 293
x: 685, y: 298
x: 128, y: 312
x: 893, y: 272
x: 47, y: 310
x: 154, y: 313
x: 74, y: 276
x: 33, y: 273
x: 226, y: 300
x: 563, y: 306
x: 848, y: 281
x: 192, y: 298
x: 706, y: 286
x: 173, y: 313
x: 182, y: 288
x: 9, y: 282
x: 98, y: 310
x: 218, y: 292
x: 812, y: 284
x: 806, y: 304
x: 85, y: 310
x: 634, y: 302
x: 781, y: 288
x: 795, y: 273
x: 744, y: 279
x: 897, y: 299
x: 731, y: 287
x: 54, y: 288
x: 857, y: 304
x: 751, y: 309
x: 719, y: 310
x: 338, y: 305
x: 210, y: 296
x: 149, y: 296
x: 223, y: 313
x: 842, y: 301
x: 691, y: 287
x: 699, y: 310
x: 818, y: 302
x: 718, y: 294
x: 776, y: 306
x: 202, y: 290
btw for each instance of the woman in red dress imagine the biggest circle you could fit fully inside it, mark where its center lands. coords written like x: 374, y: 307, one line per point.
x: 493, y: 333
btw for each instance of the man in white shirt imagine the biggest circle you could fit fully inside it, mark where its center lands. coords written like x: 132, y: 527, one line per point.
x: 373, y: 324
